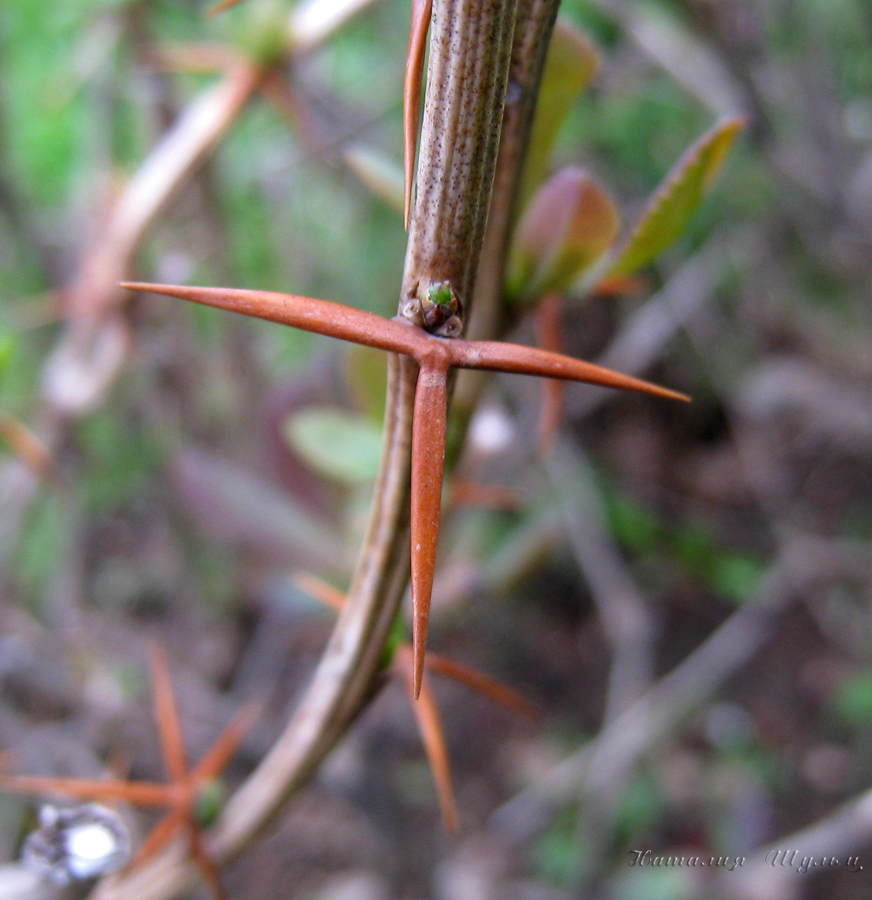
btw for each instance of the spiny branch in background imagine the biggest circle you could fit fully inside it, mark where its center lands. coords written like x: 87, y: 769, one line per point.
x: 191, y: 794
x: 425, y: 710
x: 222, y: 6
x: 29, y: 448
x: 435, y: 357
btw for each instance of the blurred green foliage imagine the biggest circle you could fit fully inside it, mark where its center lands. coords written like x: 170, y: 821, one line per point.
x: 80, y: 109
x: 732, y: 574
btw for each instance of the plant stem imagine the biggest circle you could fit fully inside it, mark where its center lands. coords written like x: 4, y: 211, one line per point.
x: 469, y: 60
x: 470, y: 52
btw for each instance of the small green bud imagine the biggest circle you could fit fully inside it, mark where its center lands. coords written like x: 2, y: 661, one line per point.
x: 440, y: 309
x: 210, y: 802
x: 441, y: 294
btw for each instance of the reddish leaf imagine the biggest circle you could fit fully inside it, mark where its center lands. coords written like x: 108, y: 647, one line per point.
x: 567, y: 227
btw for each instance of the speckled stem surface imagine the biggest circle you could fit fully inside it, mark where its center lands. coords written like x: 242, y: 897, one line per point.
x: 470, y: 50
x: 533, y: 27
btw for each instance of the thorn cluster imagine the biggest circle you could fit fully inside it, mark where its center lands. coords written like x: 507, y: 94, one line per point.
x: 435, y: 357
x: 185, y: 792
x: 426, y: 711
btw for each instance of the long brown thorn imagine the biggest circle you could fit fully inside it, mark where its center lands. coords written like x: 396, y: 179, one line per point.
x: 421, y: 11
x: 434, y: 356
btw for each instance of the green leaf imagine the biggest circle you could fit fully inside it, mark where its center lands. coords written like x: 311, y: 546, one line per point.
x: 365, y: 373
x: 263, y: 32
x: 339, y: 445
x: 560, y: 855
x: 567, y: 227
x: 852, y: 699
x: 675, y: 201
x: 735, y: 576
x: 654, y: 882
x: 570, y: 66
x: 8, y: 342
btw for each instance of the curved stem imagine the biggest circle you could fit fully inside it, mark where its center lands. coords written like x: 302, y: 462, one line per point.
x: 469, y: 58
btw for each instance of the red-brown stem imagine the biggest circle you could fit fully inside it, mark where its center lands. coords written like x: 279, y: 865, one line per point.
x: 470, y: 51
x: 428, y: 465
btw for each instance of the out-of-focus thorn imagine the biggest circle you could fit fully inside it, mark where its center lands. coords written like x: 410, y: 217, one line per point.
x: 553, y: 390
x: 489, y: 687
x: 159, y: 836
x: 377, y: 172
x: 29, y: 448
x: 320, y: 590
x: 196, y: 58
x: 167, y: 714
x: 140, y: 793
x: 488, y: 496
x: 222, y: 751
x: 620, y: 286
x: 289, y: 105
x: 220, y: 7
x: 421, y: 11
x: 433, y: 736
x: 206, y: 865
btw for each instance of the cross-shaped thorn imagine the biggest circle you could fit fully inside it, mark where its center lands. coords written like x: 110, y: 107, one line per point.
x: 186, y: 794
x: 435, y: 357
